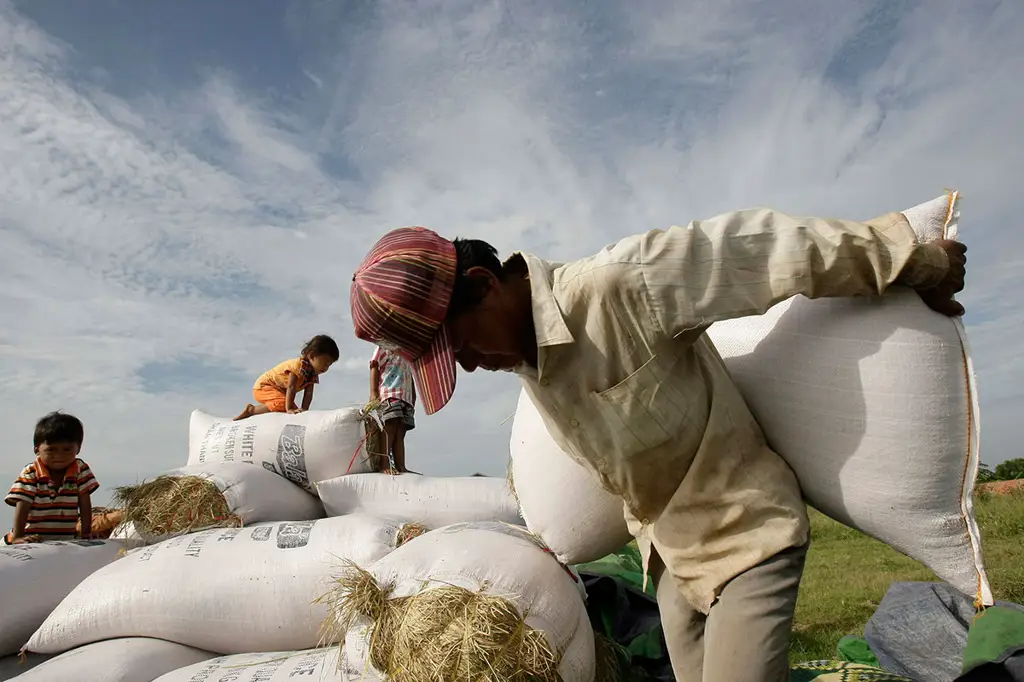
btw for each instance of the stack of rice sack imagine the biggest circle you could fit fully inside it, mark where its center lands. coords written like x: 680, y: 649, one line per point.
x: 226, y: 590
x: 238, y: 576
x: 261, y: 469
x: 239, y: 527
x: 872, y: 402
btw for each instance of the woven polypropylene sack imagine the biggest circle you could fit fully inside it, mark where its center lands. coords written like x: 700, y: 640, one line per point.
x: 129, y: 659
x: 493, y: 559
x: 430, y: 501
x: 35, y: 577
x: 560, y: 501
x: 227, y: 590
x: 316, y: 665
x: 251, y: 493
x: 304, y: 448
x: 873, y: 403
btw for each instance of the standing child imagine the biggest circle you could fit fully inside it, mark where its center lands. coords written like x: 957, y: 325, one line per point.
x: 276, y: 389
x: 55, y: 491
x: 391, y: 383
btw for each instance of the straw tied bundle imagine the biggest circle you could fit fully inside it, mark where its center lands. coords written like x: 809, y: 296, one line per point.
x: 441, y: 634
x: 175, y: 505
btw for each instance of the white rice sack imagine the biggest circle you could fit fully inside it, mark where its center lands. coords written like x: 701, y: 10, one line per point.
x: 873, y: 404
x: 226, y: 590
x: 560, y: 501
x: 481, y: 559
x: 252, y: 493
x: 132, y: 659
x: 35, y: 577
x: 304, y: 448
x: 432, y: 502
x: 316, y: 665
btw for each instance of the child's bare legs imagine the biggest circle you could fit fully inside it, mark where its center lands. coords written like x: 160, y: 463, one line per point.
x: 265, y: 399
x: 398, y: 450
x: 251, y: 411
x: 392, y: 429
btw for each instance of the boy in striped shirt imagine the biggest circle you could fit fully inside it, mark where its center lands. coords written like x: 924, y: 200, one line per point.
x: 55, y: 491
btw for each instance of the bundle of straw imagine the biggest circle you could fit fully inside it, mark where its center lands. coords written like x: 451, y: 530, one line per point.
x: 442, y: 634
x: 175, y: 505
x: 409, y: 531
x: 609, y: 664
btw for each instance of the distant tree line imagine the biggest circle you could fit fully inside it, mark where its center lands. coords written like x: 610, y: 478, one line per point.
x: 1010, y: 470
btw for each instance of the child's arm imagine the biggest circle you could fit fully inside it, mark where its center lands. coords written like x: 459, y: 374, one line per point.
x: 307, y: 397
x: 85, y: 513
x: 374, y: 381
x: 21, y: 497
x: 289, y: 395
x: 21, y: 511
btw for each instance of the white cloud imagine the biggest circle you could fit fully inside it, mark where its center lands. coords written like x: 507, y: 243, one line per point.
x: 212, y: 222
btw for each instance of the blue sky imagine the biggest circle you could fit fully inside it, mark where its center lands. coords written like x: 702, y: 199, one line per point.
x: 187, y: 186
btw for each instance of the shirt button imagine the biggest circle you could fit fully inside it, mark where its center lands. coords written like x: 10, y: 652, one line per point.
x: 574, y: 424
x: 544, y: 381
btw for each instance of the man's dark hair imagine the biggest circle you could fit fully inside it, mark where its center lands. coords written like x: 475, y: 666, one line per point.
x: 471, y: 253
x: 58, y: 427
x: 321, y: 344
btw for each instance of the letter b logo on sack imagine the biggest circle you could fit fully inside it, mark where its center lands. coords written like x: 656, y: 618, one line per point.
x: 291, y: 456
x: 294, y: 534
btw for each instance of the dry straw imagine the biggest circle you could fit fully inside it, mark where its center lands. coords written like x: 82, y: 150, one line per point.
x: 442, y: 634
x: 410, y: 531
x: 174, y: 505
x: 606, y: 660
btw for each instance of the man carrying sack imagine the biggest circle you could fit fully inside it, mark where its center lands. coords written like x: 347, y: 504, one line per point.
x: 613, y: 353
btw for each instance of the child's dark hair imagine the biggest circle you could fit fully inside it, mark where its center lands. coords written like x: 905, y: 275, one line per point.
x: 58, y: 427
x: 471, y: 253
x: 321, y: 344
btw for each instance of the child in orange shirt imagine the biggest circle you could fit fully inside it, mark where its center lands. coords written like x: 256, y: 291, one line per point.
x: 275, y: 390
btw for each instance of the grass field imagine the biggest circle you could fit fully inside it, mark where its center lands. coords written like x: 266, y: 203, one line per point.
x: 848, y: 573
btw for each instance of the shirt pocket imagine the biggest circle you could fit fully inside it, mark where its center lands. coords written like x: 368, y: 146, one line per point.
x: 636, y: 414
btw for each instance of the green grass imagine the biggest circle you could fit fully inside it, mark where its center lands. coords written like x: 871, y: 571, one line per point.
x: 848, y: 573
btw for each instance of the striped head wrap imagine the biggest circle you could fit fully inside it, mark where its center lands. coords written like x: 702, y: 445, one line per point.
x: 400, y: 296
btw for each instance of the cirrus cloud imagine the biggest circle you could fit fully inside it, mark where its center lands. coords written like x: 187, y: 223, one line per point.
x: 180, y: 210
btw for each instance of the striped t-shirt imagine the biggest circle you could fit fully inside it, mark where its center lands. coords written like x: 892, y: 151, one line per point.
x: 54, y: 508
x: 396, y: 379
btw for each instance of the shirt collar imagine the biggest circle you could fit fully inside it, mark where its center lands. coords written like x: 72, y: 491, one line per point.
x: 548, y: 321
x: 43, y: 473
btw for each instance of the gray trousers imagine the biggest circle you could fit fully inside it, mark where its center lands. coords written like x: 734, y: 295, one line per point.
x: 745, y: 637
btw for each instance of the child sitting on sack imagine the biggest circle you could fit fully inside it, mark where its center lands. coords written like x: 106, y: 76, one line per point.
x: 53, y: 493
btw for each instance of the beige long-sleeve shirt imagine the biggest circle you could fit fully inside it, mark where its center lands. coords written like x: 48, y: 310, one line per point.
x: 631, y: 387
